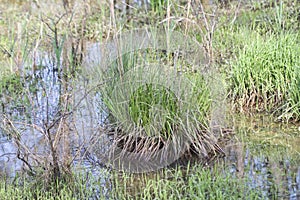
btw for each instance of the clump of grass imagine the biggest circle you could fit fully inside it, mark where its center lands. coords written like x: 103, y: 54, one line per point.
x: 161, y: 109
x: 11, y: 83
x: 153, y: 104
x: 192, y: 183
x: 25, y: 188
x: 263, y: 77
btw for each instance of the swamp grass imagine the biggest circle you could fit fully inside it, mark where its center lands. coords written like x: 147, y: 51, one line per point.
x: 179, y: 183
x: 194, y: 182
x: 259, y: 53
x: 264, y: 75
x: 25, y: 189
x: 157, y: 102
x: 259, y: 59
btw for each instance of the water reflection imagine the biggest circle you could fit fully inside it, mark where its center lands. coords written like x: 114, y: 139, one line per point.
x: 275, y: 178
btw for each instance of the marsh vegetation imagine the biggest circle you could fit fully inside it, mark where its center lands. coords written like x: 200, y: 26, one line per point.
x: 217, y: 118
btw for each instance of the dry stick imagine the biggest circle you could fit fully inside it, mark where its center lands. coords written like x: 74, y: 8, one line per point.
x: 47, y: 128
x: 209, y: 28
x: 168, y: 14
x: 65, y: 114
x: 83, y: 30
x: 127, y: 6
x: 208, y: 34
x: 236, y: 12
x: 168, y: 28
x: 66, y: 135
x: 113, y: 20
x: 56, y: 168
x: 187, y: 16
x: 16, y: 136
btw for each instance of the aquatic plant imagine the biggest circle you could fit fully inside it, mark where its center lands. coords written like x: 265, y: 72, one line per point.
x: 263, y: 77
x: 156, y: 108
x: 193, y: 182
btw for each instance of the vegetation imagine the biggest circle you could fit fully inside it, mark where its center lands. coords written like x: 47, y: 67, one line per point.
x: 190, y: 183
x: 253, y: 49
x: 265, y: 73
x: 184, y: 183
x: 264, y: 63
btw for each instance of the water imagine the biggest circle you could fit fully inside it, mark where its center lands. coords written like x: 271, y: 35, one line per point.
x: 267, y: 155
x: 273, y: 178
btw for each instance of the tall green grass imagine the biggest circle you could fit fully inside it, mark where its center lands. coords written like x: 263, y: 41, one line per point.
x: 259, y: 53
x: 158, y: 5
x: 264, y: 74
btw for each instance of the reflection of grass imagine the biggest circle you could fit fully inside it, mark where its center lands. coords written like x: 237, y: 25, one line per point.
x: 263, y: 136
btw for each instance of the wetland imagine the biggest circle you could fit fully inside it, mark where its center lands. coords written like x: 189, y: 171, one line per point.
x: 150, y: 99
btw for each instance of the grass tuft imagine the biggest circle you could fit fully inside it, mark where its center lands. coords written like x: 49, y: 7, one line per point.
x: 264, y: 75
